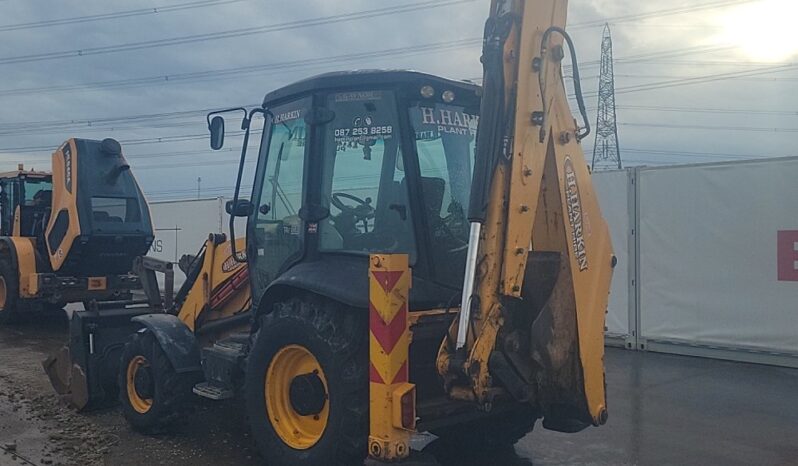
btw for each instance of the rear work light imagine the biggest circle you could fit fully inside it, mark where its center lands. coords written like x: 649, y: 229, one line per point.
x: 404, y: 406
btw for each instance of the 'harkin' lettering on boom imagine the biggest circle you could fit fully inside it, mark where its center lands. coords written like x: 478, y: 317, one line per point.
x: 574, y: 203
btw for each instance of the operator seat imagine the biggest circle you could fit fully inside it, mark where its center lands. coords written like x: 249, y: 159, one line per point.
x: 433, y: 191
x: 34, y: 216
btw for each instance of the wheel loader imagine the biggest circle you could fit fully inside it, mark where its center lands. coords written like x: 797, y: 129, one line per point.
x: 71, y: 235
x: 423, y: 255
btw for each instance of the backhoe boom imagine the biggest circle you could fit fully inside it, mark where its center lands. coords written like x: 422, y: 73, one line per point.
x: 537, y: 280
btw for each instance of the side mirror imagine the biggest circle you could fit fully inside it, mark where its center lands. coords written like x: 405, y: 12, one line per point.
x: 244, y: 208
x: 217, y: 132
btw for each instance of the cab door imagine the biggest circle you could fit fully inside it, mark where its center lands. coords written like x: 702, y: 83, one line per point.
x: 275, y: 229
x: 9, y: 200
x: 6, y: 211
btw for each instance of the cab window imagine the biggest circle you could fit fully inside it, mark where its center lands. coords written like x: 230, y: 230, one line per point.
x: 38, y: 192
x: 363, y: 182
x: 446, y: 142
x: 276, y: 223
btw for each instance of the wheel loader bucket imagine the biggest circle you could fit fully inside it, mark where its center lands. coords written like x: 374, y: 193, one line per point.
x: 84, y: 372
x: 68, y: 379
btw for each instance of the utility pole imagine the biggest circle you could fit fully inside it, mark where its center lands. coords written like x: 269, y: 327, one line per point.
x: 606, y: 152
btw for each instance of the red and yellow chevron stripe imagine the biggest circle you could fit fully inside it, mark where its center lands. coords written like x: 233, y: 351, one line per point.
x: 392, y: 397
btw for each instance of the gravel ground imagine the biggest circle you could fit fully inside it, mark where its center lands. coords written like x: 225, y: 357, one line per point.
x: 36, y: 428
x: 663, y: 410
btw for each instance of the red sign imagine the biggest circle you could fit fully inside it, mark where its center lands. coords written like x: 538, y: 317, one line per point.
x: 788, y: 256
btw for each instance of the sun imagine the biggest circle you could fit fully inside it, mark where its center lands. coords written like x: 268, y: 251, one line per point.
x: 766, y: 30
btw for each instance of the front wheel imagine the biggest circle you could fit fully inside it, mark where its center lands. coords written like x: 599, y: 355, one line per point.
x: 152, y: 394
x: 9, y: 293
x: 307, y: 384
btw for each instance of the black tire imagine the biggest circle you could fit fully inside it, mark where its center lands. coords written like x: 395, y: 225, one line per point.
x: 9, y: 293
x: 489, y: 434
x: 169, y: 392
x: 338, y: 339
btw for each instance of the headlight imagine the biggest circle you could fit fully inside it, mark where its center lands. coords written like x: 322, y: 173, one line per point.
x: 427, y: 92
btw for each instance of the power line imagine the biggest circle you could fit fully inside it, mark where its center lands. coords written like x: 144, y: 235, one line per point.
x: 280, y: 66
x: 723, y: 155
x: 235, y: 72
x: 100, y: 121
x: 334, y: 19
x: 712, y: 128
x: 674, y: 76
x: 665, y: 76
x: 653, y: 58
x: 127, y: 142
x: 694, y: 63
x: 11, y: 129
x: 229, y: 188
x: 271, y: 68
x: 325, y: 20
x: 159, y: 155
x: 119, y: 14
x: 212, y: 163
x: 660, y: 13
x: 744, y: 111
x: 701, y: 79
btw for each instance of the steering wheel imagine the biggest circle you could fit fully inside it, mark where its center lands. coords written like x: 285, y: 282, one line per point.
x: 362, y: 211
x: 447, y: 226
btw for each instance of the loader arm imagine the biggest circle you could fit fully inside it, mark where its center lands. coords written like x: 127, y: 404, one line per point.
x: 531, y: 325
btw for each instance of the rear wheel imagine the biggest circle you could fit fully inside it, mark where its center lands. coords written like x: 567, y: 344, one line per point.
x: 152, y: 394
x: 9, y: 292
x: 307, y: 384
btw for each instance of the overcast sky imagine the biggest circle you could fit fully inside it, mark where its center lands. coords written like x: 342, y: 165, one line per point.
x: 53, y: 72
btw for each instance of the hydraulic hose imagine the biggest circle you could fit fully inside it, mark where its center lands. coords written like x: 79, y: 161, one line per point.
x: 584, y: 131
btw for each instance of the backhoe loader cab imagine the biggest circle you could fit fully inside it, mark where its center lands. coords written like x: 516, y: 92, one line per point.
x: 363, y: 162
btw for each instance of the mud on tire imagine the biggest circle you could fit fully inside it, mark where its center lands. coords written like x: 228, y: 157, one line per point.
x: 337, y: 337
x: 168, y: 392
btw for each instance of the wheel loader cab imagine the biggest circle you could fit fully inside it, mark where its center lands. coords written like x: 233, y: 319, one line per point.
x: 25, y: 198
x: 100, y: 220
x: 358, y: 163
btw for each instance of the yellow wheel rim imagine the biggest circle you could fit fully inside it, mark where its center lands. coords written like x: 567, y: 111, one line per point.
x: 297, y: 431
x: 3, y: 293
x: 140, y: 405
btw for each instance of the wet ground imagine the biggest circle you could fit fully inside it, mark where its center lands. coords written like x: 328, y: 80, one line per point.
x: 664, y: 410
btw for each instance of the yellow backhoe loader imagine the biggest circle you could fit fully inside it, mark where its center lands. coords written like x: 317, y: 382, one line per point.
x: 71, y: 235
x: 367, y: 177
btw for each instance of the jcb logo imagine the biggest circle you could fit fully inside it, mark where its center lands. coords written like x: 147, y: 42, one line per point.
x: 788, y: 256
